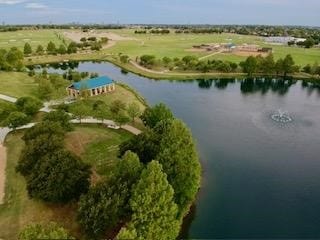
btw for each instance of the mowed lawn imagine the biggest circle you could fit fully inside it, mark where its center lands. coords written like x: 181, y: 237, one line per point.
x: 95, y: 144
x: 17, y: 84
x: 177, y: 45
x: 33, y: 37
x: 121, y: 93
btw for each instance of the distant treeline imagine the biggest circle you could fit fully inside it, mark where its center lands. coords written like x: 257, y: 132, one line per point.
x: 252, y: 65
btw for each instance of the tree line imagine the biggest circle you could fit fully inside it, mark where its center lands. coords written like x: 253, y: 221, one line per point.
x: 148, y: 192
x: 252, y: 65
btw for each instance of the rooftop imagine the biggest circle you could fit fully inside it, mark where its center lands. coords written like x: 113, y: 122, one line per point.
x: 92, y: 83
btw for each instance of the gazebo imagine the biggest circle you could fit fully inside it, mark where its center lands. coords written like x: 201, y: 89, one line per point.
x: 93, y: 86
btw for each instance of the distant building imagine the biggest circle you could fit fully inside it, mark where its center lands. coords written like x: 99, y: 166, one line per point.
x: 93, y: 86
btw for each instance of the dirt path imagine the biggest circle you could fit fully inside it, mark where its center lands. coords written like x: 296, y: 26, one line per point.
x: 210, y: 55
x: 3, y: 163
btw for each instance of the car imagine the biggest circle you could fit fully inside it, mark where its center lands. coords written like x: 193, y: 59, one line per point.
x: 113, y: 126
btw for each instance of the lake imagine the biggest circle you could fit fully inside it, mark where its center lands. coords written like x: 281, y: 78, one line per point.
x: 261, y: 178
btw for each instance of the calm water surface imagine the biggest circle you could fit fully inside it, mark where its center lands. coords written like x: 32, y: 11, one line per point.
x: 261, y: 178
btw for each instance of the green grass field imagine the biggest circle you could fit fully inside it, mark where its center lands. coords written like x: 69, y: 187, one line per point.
x: 33, y: 37
x: 17, y: 84
x: 176, y: 45
x: 97, y: 145
x: 120, y: 93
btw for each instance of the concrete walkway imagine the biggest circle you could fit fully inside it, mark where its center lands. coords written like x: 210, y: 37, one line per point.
x: 3, y: 163
x: 8, y: 98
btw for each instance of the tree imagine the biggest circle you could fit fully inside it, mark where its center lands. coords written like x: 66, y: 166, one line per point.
x: 268, y: 65
x: 72, y: 48
x: 60, y: 117
x: 249, y: 66
x: 45, y: 89
x: 62, y: 49
x: 80, y: 110
x: 40, y: 50
x: 51, y: 48
x: 147, y: 60
x: 16, y: 119
x: 44, y: 138
x: 28, y: 105
x: 96, y: 46
x: 14, y: 59
x: 154, y: 115
x: 134, y: 110
x: 124, y: 58
x: 154, y: 213
x: 27, y: 50
x: 107, y: 202
x: 83, y: 39
x: 58, y: 177
x: 145, y: 145
x: 121, y: 118
x: 288, y: 65
x: 309, y: 43
x: 180, y: 161
x: 117, y: 106
x: 48, y: 231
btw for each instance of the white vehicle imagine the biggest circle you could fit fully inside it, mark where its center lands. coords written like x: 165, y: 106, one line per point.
x: 113, y: 126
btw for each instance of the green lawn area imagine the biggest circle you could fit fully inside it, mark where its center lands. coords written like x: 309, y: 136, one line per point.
x: 121, y: 93
x: 33, y: 37
x: 175, y: 45
x: 96, y: 145
x: 17, y: 84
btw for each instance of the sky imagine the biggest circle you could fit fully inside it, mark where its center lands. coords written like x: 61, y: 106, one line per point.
x: 269, y: 12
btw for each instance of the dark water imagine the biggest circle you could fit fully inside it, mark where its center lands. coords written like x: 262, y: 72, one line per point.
x: 261, y: 179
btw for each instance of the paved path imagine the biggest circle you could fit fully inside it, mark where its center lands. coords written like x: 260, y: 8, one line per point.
x: 8, y: 98
x: 3, y: 162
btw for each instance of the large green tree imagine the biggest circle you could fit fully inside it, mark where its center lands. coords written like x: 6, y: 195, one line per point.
x: 134, y: 110
x: 28, y: 105
x: 152, y: 116
x: 154, y: 213
x: 104, y: 205
x: 60, y: 117
x: 27, y: 50
x: 250, y: 66
x: 180, y: 161
x: 16, y: 119
x: 58, y: 177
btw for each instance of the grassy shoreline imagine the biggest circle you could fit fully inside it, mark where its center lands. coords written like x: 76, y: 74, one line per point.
x: 157, y: 76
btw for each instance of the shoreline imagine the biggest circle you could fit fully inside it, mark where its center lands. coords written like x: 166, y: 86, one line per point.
x: 149, y: 73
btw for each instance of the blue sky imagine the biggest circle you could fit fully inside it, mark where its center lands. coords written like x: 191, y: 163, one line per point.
x: 279, y: 12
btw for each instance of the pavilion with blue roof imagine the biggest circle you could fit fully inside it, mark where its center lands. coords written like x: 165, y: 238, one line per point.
x: 93, y: 86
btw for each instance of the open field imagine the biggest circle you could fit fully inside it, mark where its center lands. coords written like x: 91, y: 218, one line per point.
x: 17, y: 84
x: 33, y: 37
x: 176, y: 45
x: 97, y: 144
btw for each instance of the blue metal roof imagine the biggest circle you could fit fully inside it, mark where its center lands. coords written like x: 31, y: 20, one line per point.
x: 92, y: 83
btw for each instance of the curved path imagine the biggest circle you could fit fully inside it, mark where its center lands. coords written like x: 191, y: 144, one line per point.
x: 6, y: 130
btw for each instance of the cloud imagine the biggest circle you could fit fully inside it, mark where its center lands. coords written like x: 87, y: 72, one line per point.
x: 37, y: 6
x: 11, y: 2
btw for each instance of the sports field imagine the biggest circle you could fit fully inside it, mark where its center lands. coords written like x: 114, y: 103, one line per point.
x: 33, y: 37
